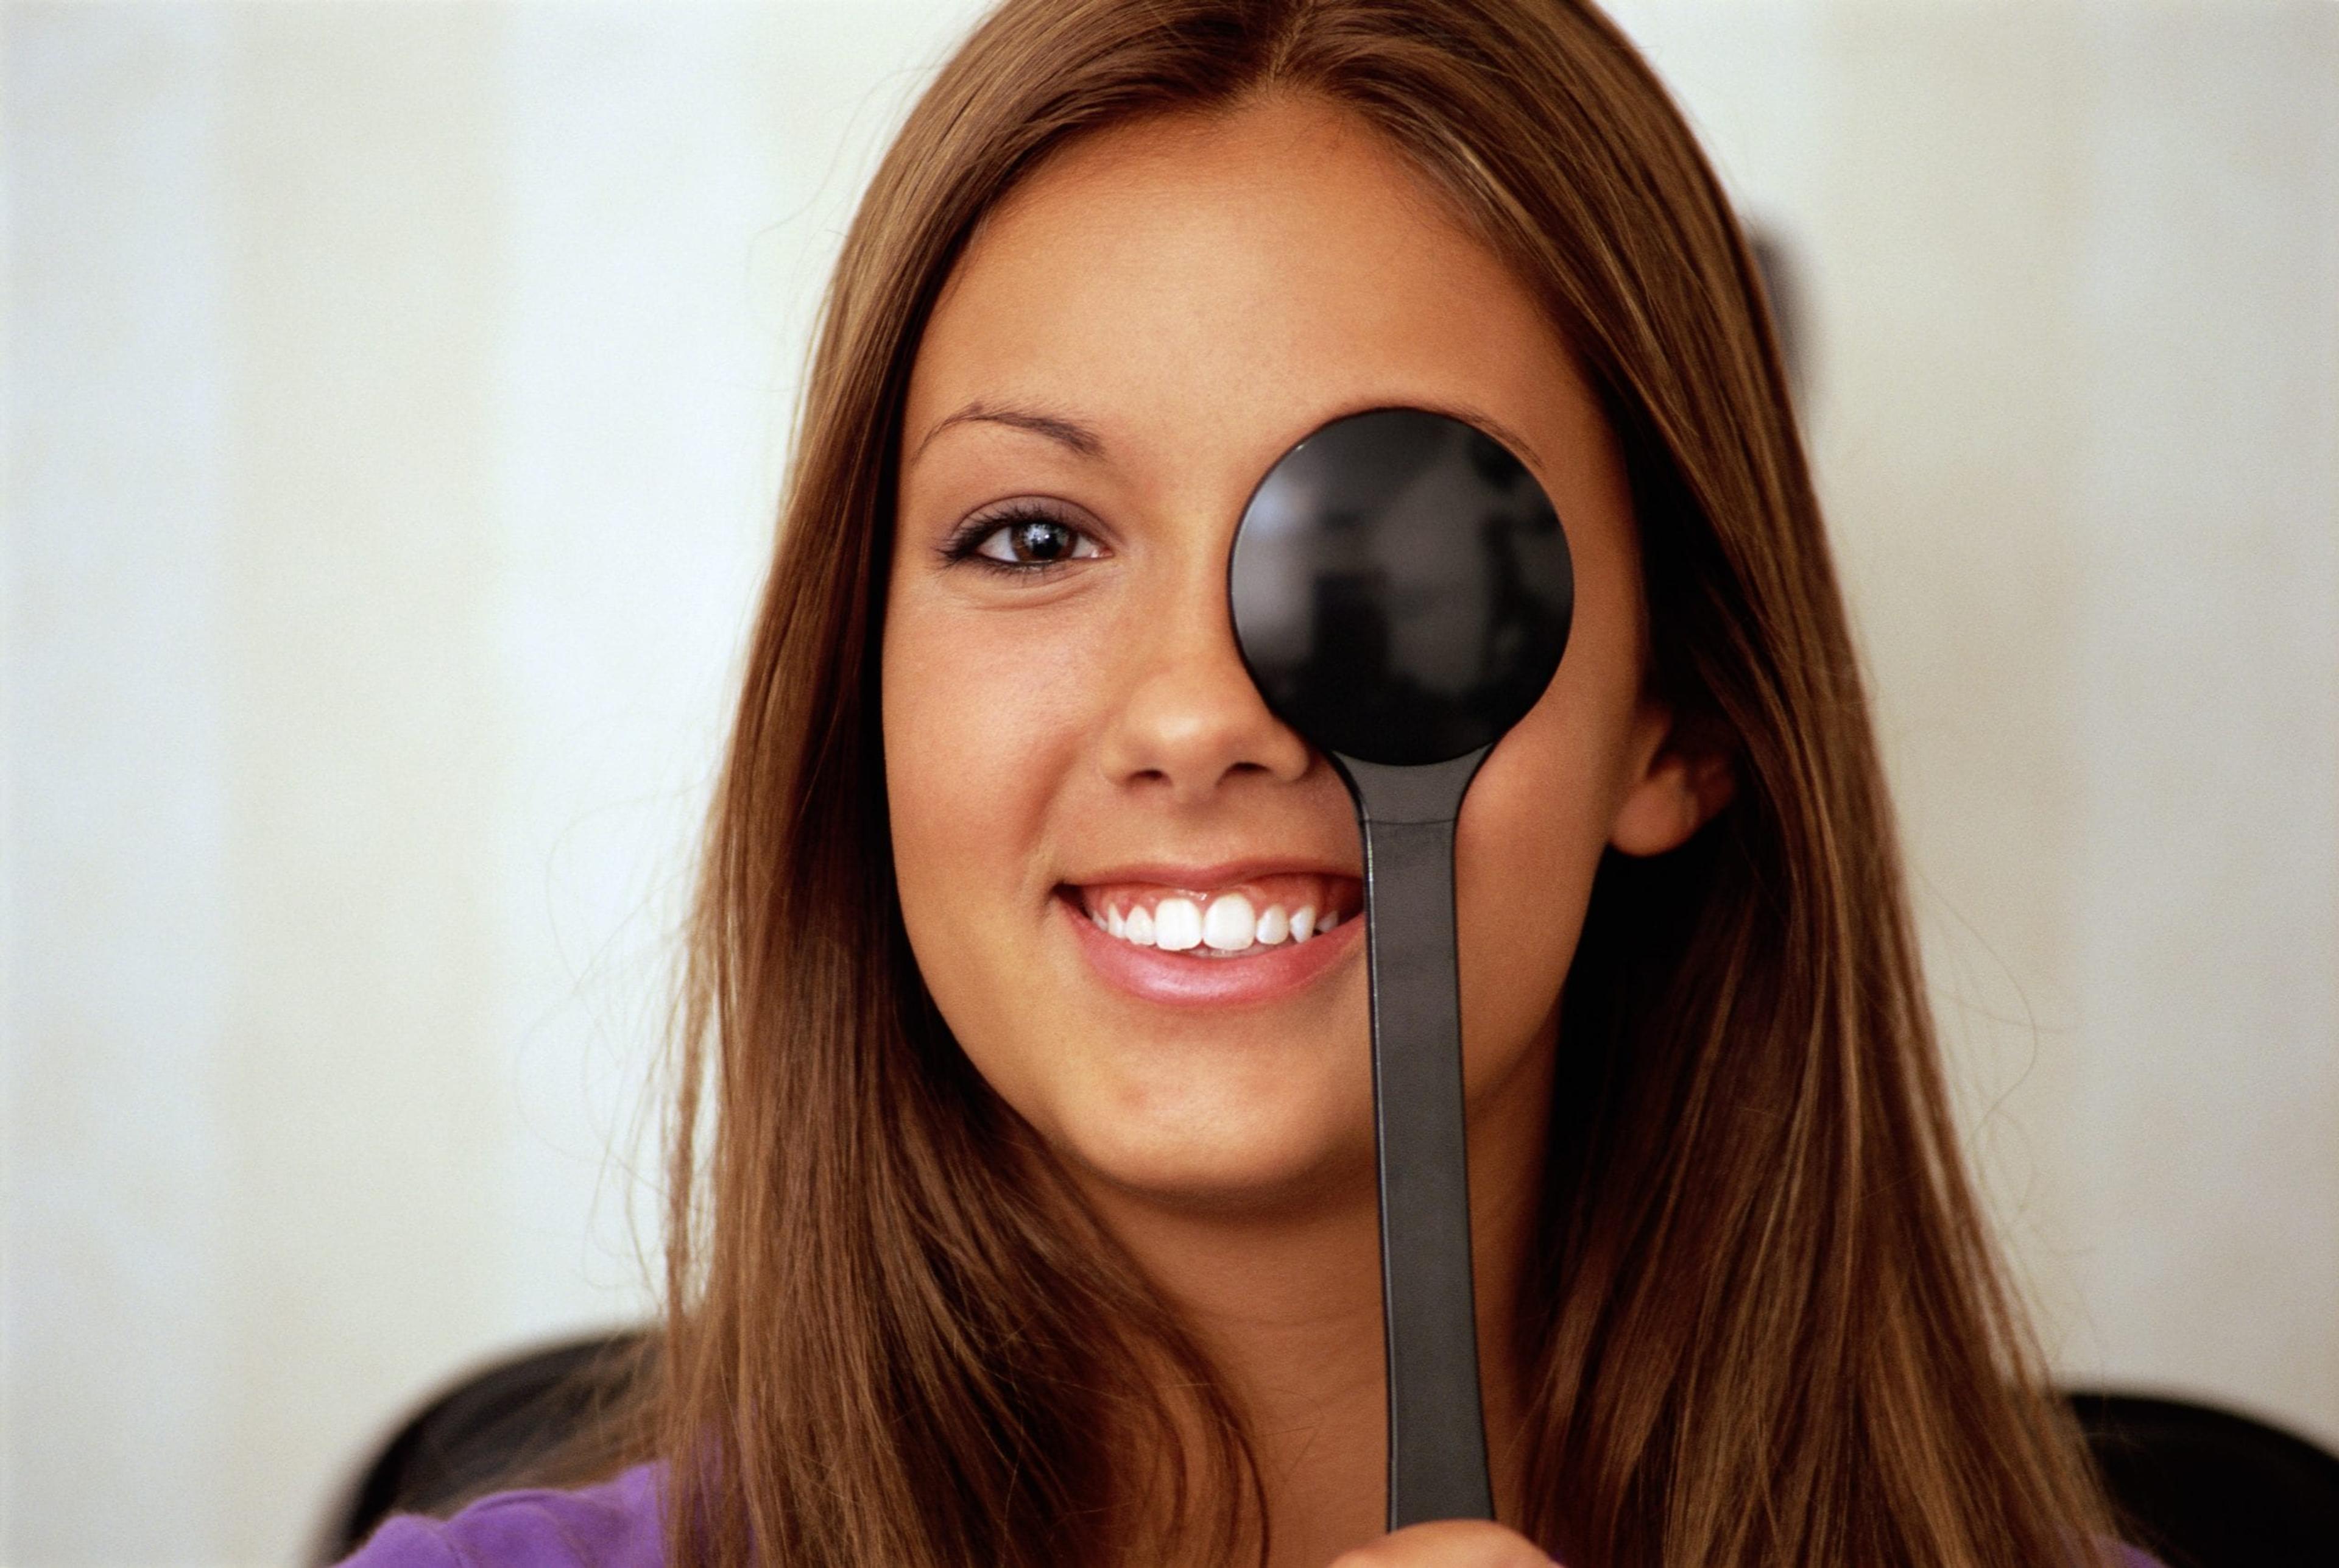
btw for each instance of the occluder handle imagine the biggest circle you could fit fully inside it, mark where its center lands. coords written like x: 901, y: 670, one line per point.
x: 1437, y: 1440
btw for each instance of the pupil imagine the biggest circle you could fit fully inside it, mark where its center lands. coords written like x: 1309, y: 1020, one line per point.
x: 1042, y: 541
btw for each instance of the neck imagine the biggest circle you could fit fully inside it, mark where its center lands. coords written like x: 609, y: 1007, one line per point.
x: 1287, y: 1300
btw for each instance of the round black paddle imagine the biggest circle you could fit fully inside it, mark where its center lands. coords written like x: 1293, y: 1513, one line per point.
x: 1402, y: 591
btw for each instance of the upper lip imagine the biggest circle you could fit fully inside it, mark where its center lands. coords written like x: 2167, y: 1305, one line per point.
x: 1204, y: 878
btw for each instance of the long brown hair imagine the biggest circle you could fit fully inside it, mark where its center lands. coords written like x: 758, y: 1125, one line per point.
x: 1765, y: 1324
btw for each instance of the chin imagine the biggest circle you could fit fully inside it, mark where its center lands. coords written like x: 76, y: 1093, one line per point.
x: 1226, y: 1156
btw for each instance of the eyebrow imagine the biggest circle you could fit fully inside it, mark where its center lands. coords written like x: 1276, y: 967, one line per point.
x: 1080, y: 438
x: 1067, y: 432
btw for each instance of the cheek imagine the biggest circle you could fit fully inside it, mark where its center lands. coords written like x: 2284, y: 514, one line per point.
x: 1530, y: 839
x: 977, y: 740
x: 981, y: 735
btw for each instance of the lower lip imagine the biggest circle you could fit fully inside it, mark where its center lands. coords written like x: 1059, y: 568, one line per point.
x: 1181, y: 979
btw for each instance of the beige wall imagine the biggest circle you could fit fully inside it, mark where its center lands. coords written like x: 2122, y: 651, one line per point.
x: 394, y: 399
x: 2074, y: 276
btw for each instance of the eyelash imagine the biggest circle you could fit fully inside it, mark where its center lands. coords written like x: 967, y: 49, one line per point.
x: 965, y: 544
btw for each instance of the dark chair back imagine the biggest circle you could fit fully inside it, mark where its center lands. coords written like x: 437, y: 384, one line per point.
x: 486, y: 1430
x: 2198, y: 1486
x: 2205, y: 1488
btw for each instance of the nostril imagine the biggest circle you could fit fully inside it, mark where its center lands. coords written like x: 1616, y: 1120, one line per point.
x: 1190, y: 737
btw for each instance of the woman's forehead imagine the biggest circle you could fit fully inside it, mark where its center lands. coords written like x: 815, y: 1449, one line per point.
x: 1234, y: 281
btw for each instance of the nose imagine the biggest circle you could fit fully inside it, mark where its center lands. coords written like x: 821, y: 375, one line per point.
x: 1191, y: 721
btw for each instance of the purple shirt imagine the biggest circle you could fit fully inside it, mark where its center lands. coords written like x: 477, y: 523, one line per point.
x: 619, y: 1524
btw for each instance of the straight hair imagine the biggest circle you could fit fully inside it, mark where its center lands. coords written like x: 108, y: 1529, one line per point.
x: 1765, y: 1323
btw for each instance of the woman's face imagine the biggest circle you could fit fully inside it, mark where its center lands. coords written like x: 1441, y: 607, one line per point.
x: 1133, y: 893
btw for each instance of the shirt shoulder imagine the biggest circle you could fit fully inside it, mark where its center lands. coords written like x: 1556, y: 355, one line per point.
x: 619, y: 1523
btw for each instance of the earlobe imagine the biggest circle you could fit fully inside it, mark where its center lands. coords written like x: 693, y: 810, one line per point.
x: 1677, y: 792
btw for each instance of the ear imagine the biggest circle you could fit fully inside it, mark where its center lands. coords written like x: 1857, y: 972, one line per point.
x: 1676, y: 787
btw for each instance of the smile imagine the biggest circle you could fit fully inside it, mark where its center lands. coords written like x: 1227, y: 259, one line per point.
x: 1248, y: 940
x: 1231, y: 922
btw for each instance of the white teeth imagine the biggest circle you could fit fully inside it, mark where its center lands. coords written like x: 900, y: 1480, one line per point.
x: 1177, y: 925
x: 1228, y: 925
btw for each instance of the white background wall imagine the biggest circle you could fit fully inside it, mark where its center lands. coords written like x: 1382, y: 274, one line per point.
x: 394, y: 399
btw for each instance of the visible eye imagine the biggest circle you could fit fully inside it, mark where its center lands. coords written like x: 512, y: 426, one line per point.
x: 1022, y: 539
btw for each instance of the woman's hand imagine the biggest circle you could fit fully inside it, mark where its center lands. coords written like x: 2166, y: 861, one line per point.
x: 1447, y: 1544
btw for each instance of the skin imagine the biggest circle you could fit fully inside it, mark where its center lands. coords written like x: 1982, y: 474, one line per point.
x: 1183, y: 299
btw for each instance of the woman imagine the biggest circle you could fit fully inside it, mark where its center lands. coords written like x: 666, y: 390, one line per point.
x: 1012, y: 1230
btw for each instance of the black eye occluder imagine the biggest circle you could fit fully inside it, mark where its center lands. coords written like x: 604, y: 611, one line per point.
x: 1402, y: 591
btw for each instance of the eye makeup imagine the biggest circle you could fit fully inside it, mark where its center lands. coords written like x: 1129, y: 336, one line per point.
x: 1022, y: 537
